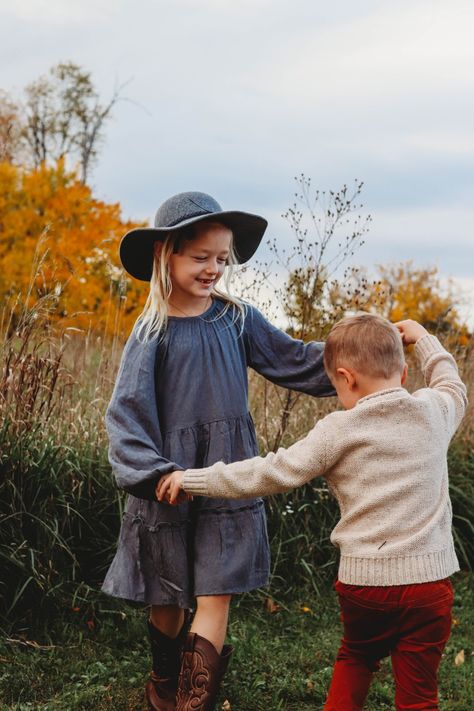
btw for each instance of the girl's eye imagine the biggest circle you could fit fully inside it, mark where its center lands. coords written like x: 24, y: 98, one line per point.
x: 200, y: 259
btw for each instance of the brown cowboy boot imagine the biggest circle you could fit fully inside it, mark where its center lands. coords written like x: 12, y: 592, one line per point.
x: 201, y: 673
x: 160, y: 690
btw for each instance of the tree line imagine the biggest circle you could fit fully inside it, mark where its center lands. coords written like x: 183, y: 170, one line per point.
x: 58, y: 241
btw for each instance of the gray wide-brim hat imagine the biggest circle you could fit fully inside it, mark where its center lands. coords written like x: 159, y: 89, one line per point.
x: 136, y: 247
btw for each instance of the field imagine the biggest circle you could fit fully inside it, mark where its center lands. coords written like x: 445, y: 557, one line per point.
x: 64, y: 646
x: 283, y: 659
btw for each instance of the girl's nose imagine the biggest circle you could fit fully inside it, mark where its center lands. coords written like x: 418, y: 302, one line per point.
x: 212, y: 267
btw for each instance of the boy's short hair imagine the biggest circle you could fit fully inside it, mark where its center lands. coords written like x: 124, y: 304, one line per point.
x: 367, y: 342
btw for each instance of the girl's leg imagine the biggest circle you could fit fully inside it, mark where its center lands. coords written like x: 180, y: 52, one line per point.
x: 205, y: 657
x: 168, y: 619
x: 211, y: 618
x: 167, y: 628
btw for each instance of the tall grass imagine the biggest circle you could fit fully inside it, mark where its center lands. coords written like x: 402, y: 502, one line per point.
x: 60, y: 511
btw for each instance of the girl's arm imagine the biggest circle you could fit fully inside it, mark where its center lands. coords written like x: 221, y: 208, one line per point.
x: 284, y: 360
x: 135, y: 441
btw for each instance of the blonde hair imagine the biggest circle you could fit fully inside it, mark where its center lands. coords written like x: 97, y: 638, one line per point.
x: 368, y: 343
x: 154, y: 317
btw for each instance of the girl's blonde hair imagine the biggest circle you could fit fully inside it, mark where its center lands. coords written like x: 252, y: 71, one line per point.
x: 154, y: 317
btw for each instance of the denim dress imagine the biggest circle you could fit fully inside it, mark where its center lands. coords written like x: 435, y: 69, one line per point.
x: 182, y: 402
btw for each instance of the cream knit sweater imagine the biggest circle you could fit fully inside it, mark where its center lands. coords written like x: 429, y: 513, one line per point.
x: 385, y: 462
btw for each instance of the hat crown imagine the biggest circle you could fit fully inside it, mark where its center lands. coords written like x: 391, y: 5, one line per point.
x: 185, y: 206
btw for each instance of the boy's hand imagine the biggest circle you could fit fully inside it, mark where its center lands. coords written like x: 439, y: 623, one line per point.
x: 169, y: 489
x: 411, y: 331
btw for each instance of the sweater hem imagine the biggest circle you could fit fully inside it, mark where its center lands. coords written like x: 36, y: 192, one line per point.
x: 399, y: 570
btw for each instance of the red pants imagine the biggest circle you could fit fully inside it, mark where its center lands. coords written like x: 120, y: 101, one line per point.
x: 409, y: 623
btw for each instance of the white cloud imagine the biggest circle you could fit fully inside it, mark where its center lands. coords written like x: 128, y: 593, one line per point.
x: 431, y: 228
x: 61, y: 12
x: 447, y: 142
x: 228, y: 7
x: 403, y: 48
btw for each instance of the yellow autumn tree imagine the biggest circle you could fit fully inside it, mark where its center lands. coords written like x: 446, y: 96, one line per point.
x: 314, y: 302
x: 57, y: 239
x: 401, y: 291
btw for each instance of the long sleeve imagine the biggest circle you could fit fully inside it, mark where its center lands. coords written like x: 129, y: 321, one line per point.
x: 284, y: 360
x: 277, y: 472
x: 135, y: 441
x: 441, y: 376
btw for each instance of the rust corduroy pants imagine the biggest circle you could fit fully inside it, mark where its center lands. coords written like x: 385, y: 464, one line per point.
x: 409, y: 623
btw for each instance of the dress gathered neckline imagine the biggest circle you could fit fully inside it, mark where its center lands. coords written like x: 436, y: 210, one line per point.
x: 201, y: 317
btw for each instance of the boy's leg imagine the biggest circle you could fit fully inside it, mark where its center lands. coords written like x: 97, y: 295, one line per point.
x: 425, y: 629
x: 350, y: 682
x: 368, y: 620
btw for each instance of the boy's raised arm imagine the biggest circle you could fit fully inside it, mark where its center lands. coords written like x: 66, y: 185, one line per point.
x: 439, y: 369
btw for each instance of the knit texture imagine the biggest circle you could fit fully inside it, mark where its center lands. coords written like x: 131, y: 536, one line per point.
x: 385, y: 462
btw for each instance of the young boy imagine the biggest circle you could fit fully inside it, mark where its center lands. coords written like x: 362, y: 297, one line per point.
x: 384, y: 459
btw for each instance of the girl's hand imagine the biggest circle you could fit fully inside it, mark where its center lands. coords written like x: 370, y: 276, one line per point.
x: 411, y: 331
x: 169, y: 489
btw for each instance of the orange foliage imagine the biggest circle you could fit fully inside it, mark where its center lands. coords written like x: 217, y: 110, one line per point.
x: 402, y: 291
x: 418, y: 293
x: 57, y: 239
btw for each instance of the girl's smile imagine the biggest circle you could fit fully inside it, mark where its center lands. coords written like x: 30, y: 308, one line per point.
x: 197, y: 267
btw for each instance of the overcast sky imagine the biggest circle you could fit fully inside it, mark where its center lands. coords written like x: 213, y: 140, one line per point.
x: 235, y: 97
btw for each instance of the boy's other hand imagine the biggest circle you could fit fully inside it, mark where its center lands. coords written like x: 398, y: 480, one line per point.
x: 169, y: 489
x: 411, y: 331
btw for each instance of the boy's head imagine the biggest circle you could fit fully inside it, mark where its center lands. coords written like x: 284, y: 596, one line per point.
x: 363, y: 354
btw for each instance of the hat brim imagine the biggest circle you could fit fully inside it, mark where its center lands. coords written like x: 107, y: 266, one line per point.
x: 136, y: 247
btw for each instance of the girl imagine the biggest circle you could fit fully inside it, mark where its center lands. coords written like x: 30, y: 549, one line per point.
x: 180, y: 401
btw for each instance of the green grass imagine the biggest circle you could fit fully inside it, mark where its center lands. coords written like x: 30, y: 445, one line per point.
x: 282, y: 660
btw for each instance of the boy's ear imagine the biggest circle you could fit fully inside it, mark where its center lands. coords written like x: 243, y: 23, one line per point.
x: 348, y: 376
x: 404, y: 374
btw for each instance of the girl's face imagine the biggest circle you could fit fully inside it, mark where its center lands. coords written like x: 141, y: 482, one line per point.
x: 199, y: 264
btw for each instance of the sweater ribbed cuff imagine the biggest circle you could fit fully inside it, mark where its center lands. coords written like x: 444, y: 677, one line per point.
x: 426, y: 346
x: 195, y: 482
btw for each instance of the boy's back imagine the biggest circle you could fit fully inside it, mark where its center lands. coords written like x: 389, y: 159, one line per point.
x: 390, y: 477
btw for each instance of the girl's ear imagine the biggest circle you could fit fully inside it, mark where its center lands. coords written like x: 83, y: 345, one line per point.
x: 157, y: 247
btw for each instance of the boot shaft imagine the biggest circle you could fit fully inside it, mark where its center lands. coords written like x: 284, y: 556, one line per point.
x: 160, y: 690
x: 202, y: 670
